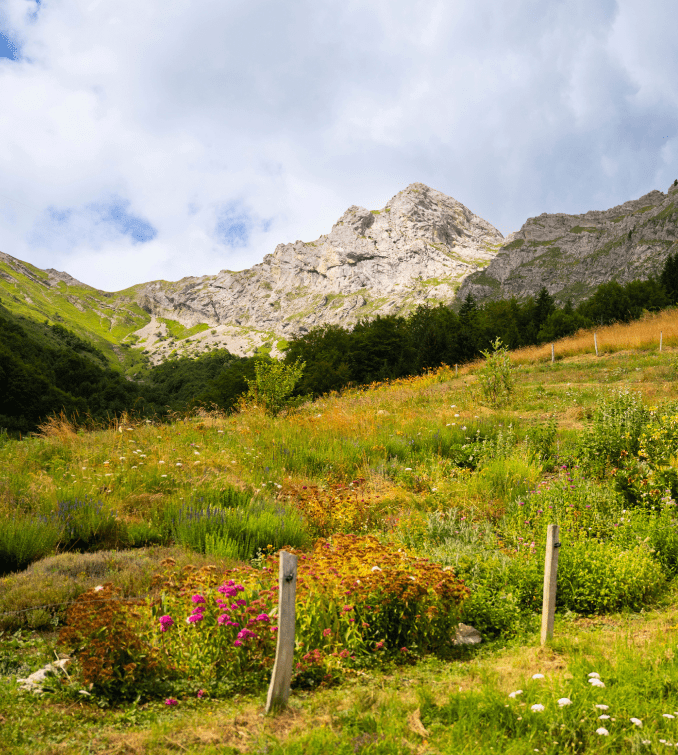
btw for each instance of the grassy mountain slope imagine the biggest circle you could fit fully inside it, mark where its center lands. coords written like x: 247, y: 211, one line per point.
x: 103, y: 319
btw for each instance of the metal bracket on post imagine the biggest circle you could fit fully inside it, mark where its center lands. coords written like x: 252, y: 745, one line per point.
x: 279, y: 689
x: 550, y: 582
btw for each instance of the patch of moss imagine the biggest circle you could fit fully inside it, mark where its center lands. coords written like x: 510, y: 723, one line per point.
x: 514, y: 245
x: 179, y: 331
x: 583, y: 229
x: 545, y: 243
x: 483, y: 279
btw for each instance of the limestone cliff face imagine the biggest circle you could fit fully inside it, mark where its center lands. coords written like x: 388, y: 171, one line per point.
x: 572, y: 254
x: 415, y: 250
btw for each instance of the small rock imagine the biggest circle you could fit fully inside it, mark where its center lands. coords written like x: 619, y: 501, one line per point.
x: 467, y: 635
x: 34, y: 683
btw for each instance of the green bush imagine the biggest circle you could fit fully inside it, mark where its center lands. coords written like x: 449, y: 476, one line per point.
x: 274, y: 384
x: 506, y: 479
x: 614, y: 432
x: 25, y: 539
x: 658, y: 531
x: 56, y: 581
x: 596, y: 577
x: 496, y: 378
x: 504, y: 588
x: 86, y: 524
x: 541, y: 440
x: 233, y: 532
x: 580, y: 506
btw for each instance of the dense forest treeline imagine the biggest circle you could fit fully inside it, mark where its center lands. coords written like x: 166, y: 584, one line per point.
x: 46, y: 369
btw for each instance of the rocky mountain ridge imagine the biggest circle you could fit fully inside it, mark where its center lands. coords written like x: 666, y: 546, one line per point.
x: 570, y: 255
x: 415, y: 250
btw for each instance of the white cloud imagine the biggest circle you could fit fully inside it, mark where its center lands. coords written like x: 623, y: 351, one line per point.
x: 226, y: 128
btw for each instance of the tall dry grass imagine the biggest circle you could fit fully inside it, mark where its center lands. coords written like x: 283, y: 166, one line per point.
x: 641, y: 334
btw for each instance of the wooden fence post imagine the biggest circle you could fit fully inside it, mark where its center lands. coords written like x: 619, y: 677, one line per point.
x: 595, y: 342
x: 279, y: 689
x: 550, y: 581
x: 456, y: 370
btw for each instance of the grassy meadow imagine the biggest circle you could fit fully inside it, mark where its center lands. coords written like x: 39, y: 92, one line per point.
x: 412, y: 505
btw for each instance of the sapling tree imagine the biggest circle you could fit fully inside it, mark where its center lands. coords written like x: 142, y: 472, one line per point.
x: 274, y: 383
x: 496, y: 377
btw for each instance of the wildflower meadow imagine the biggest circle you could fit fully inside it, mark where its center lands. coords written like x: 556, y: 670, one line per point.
x: 147, y: 554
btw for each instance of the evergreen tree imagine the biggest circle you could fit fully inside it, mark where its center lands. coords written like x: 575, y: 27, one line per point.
x: 669, y: 278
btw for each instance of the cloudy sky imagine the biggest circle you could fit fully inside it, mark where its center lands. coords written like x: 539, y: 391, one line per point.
x: 143, y: 140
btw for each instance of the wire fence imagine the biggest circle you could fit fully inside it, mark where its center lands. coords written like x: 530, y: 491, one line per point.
x: 67, y: 603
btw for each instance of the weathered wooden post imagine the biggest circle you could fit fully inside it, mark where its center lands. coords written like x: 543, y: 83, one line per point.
x: 553, y: 354
x: 456, y: 370
x: 279, y: 689
x: 595, y: 343
x: 550, y: 581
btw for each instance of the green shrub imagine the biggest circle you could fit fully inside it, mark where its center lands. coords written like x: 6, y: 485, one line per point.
x: 580, y: 506
x: 496, y: 378
x: 274, y: 384
x: 614, y: 432
x: 233, y: 533
x: 596, y: 577
x: 506, y: 479
x: 504, y: 588
x: 56, y: 581
x: 86, y: 524
x: 541, y: 440
x: 657, y: 530
x: 25, y: 539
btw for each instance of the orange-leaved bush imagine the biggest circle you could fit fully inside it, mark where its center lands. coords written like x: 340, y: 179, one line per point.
x: 110, y: 638
x: 365, y: 596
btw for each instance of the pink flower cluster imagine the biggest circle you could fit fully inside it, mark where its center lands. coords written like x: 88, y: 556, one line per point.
x: 230, y: 590
x: 165, y: 623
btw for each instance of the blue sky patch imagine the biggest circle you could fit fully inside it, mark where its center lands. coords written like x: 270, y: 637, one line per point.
x: 234, y: 226
x: 7, y: 48
x: 115, y: 213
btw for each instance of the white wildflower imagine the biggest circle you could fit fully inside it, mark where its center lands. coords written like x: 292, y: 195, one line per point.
x: 604, y: 717
x: 563, y: 701
x: 516, y: 693
x: 594, y: 675
x: 98, y: 588
x: 603, y: 732
x: 537, y: 708
x: 667, y: 715
x: 538, y: 676
x: 596, y: 682
x: 602, y: 707
x: 636, y: 722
